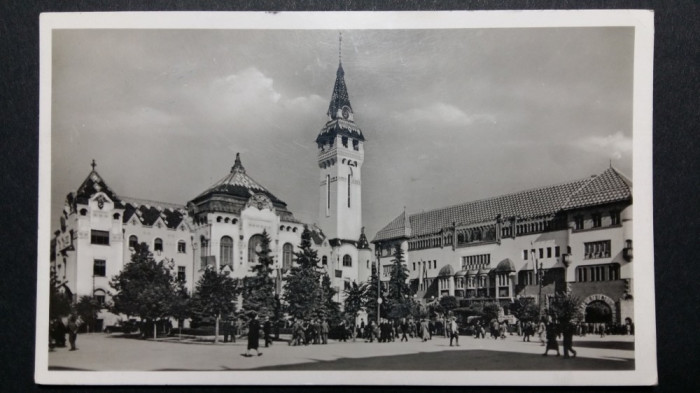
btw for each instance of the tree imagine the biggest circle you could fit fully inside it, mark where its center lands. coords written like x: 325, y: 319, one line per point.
x: 490, y: 312
x: 87, y: 309
x: 567, y: 308
x: 525, y: 309
x: 215, y: 295
x: 181, y: 307
x: 144, y: 288
x: 302, y: 285
x: 355, y: 298
x: 399, y: 298
x: 259, y: 290
x: 448, y: 303
x: 330, y: 309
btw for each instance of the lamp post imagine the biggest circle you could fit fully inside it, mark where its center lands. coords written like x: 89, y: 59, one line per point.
x: 540, y: 275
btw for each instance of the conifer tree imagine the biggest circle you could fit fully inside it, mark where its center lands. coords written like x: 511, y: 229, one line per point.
x: 399, y: 297
x: 355, y: 299
x: 330, y: 309
x: 259, y: 290
x: 302, y: 285
x: 214, y: 296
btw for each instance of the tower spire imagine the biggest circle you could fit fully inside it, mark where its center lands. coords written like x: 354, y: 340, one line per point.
x: 340, y: 47
x: 339, y: 98
x: 93, y: 165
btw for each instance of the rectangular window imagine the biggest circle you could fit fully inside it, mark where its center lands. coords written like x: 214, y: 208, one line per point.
x: 541, y: 253
x: 181, y: 247
x: 475, y: 261
x: 434, y: 264
x: 349, y: 182
x: 595, y: 250
x: 338, y: 274
x: 525, y: 255
x: 100, y: 299
x: 99, y: 237
x: 181, y: 273
x: 597, y: 221
x: 578, y: 222
x: 557, y: 251
x: 615, y: 217
x: 328, y: 195
x: 549, y: 252
x: 346, y: 285
x: 99, y: 268
x: 414, y: 266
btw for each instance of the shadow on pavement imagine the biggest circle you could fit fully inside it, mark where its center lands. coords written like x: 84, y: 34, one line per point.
x: 461, y: 360
x: 62, y: 368
x: 624, y: 345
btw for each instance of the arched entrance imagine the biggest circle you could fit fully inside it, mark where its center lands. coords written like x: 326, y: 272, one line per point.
x: 599, y: 309
x: 598, y: 312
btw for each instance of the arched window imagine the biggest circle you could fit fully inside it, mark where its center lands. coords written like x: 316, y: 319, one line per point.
x: 204, y: 243
x: 158, y: 244
x: 349, y: 182
x: 287, y: 256
x: 227, y: 251
x: 253, y: 248
x: 133, y: 241
x: 347, y: 260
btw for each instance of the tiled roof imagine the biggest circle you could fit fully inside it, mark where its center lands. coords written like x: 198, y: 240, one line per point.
x: 608, y: 187
x: 238, y: 184
x: 399, y: 227
x: 148, y: 212
x: 340, y: 97
x: 92, y: 185
x: 339, y: 127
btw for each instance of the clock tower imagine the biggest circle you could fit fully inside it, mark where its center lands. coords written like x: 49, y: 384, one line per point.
x: 340, y: 156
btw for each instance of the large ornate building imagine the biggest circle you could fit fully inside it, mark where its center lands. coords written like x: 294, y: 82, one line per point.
x: 223, y: 226
x: 576, y: 235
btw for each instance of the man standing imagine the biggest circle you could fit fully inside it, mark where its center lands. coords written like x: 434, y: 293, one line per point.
x: 404, y: 329
x: 454, y: 331
x: 253, y: 335
x: 324, y: 332
x: 73, y: 325
x: 267, y: 330
x: 568, y: 332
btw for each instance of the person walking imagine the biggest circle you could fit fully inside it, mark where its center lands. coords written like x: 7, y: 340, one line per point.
x: 568, y: 332
x: 267, y: 331
x: 425, y: 330
x: 73, y: 326
x: 404, y: 330
x: 324, y: 331
x: 253, y: 335
x: 454, y: 331
x: 527, y: 331
x: 542, y: 331
x: 551, y: 337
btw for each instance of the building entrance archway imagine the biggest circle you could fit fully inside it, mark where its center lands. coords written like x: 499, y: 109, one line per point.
x: 599, y: 309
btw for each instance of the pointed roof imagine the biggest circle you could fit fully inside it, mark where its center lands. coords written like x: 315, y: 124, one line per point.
x: 398, y: 228
x: 92, y: 185
x: 340, y: 97
x: 610, y: 186
x: 362, y: 243
x: 230, y: 194
x: 148, y: 212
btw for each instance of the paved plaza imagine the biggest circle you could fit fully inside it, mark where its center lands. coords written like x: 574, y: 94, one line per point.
x: 104, y: 352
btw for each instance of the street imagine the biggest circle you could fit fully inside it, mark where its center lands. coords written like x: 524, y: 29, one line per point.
x: 105, y: 352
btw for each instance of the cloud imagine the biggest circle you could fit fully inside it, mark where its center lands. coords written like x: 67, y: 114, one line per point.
x: 441, y: 114
x: 614, y: 146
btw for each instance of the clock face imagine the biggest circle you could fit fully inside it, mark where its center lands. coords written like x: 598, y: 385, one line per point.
x: 346, y: 112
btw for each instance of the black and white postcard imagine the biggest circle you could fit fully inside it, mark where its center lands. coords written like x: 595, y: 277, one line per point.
x: 355, y: 198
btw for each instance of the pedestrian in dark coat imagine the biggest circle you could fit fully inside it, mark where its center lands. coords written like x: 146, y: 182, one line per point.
x: 253, y: 335
x: 551, y: 335
x: 425, y: 330
x: 267, y: 331
x: 568, y: 333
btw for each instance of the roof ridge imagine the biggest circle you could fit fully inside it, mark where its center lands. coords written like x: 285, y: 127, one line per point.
x: 502, y: 196
x: 142, y: 201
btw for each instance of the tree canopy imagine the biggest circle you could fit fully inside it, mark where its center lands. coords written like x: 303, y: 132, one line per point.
x: 355, y: 299
x: 144, y: 288
x: 59, y: 302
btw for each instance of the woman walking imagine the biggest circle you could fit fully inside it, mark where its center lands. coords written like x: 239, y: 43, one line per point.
x: 551, y: 337
x: 253, y: 335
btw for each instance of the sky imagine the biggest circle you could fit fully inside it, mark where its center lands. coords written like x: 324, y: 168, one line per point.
x: 449, y: 116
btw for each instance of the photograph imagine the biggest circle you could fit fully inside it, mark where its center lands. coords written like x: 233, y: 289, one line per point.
x: 346, y: 198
